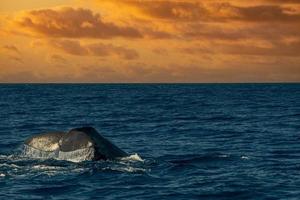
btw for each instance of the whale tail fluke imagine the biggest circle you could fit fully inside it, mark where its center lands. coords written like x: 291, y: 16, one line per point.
x: 76, y: 145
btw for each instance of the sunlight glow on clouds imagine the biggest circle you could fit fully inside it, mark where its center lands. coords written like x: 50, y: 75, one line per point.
x: 150, y: 41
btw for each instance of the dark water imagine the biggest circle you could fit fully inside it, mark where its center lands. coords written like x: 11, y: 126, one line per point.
x: 222, y: 141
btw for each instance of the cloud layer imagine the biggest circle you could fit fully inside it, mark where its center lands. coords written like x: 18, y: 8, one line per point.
x: 213, y: 10
x: 153, y: 41
x: 73, y: 23
x: 95, y: 49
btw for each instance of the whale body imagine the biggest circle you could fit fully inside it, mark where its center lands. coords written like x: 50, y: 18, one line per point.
x: 79, y: 144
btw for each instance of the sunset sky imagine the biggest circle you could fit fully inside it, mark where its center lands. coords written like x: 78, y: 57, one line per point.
x: 149, y: 41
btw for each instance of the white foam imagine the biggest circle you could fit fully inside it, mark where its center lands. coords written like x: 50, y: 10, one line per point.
x: 223, y: 156
x: 245, y: 157
x: 127, y: 169
x: 46, y: 167
x: 7, y: 157
x: 9, y: 165
x: 133, y: 157
x: 2, y: 175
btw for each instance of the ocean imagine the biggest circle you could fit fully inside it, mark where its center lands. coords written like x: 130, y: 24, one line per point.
x: 191, y: 141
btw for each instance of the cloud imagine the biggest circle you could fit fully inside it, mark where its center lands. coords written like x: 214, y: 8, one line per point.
x: 175, y: 10
x: 100, y: 49
x: 70, y: 46
x: 199, y: 41
x: 278, y: 49
x: 160, y: 51
x: 265, y: 31
x: 282, y: 2
x: 12, y: 53
x: 11, y: 48
x: 95, y: 49
x: 155, y: 34
x: 16, y: 59
x: 164, y: 9
x: 57, y: 59
x: 291, y: 49
x: 262, y: 13
x: 20, y: 77
x: 72, y: 23
x: 212, y: 11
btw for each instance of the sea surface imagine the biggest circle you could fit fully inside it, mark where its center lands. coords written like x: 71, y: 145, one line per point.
x: 186, y: 141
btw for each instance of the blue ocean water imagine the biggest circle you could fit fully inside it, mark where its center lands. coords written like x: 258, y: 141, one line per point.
x: 197, y: 141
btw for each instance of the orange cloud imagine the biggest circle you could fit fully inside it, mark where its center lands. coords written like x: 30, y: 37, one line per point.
x: 95, y: 49
x: 291, y: 49
x: 70, y: 46
x: 16, y: 59
x: 283, y: 2
x: 199, y: 41
x: 12, y: 48
x: 278, y: 49
x: 24, y: 76
x: 212, y: 11
x: 73, y: 23
x: 57, y: 59
x: 263, y: 13
x: 264, y: 31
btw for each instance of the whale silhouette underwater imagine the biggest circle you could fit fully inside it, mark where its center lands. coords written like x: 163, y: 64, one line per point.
x: 76, y: 145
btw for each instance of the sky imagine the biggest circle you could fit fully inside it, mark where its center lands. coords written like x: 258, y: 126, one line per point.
x: 149, y: 41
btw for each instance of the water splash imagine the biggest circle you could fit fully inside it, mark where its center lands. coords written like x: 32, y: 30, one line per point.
x: 133, y: 158
x: 20, y: 167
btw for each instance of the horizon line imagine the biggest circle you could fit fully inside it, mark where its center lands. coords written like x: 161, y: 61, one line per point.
x: 138, y: 83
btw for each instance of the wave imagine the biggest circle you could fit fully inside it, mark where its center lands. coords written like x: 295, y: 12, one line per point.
x: 134, y: 157
x: 18, y: 166
x: 196, y: 159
